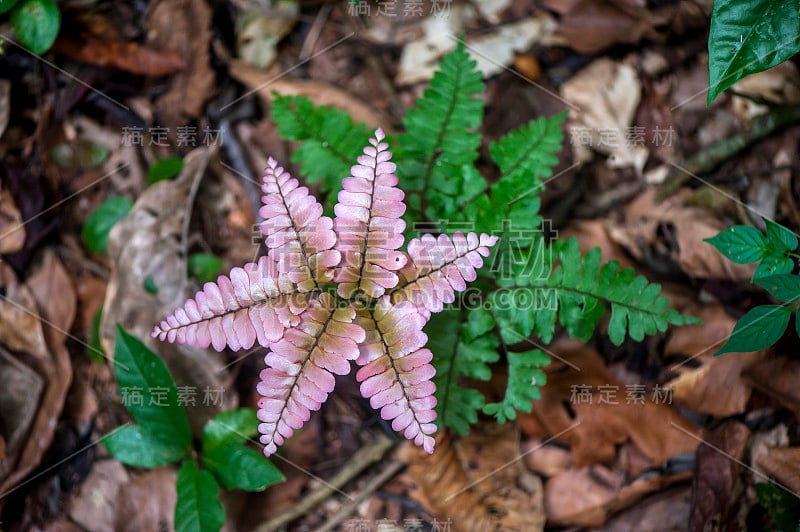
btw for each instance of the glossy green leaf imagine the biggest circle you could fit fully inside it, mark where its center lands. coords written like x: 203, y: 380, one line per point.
x: 100, y: 221
x: 95, y: 349
x: 36, y: 24
x: 198, y: 508
x: 748, y: 37
x: 780, y: 237
x: 204, y: 266
x: 783, y: 287
x: 164, y: 169
x: 159, y: 412
x: 741, y: 244
x: 237, y: 466
x: 137, y: 447
x: 229, y: 428
x: 761, y: 327
x: 6, y: 5
x: 150, y: 285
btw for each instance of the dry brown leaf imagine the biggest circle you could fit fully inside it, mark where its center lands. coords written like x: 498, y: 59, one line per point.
x: 128, y: 56
x: 588, y: 496
x: 778, y: 378
x: 717, y: 386
x: 664, y: 511
x: 147, y: 502
x: 478, y: 481
x: 606, y: 94
x: 5, y: 104
x: 94, y: 504
x: 591, y: 26
x: 12, y: 230
x: 183, y: 27
x: 594, y: 233
x: 596, y: 429
x: 658, y: 232
x: 783, y: 464
x: 34, y: 319
x: 265, y: 82
x: 717, y: 471
x: 150, y: 243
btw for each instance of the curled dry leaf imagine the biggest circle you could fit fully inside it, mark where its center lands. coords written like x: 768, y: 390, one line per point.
x: 782, y: 464
x: 777, y: 378
x: 183, y: 27
x: 655, y: 233
x: 606, y: 94
x: 149, y: 246
x: 128, y: 56
x: 717, y: 386
x: 716, y: 479
x: 478, y: 481
x: 34, y: 386
x: 264, y: 83
x: 12, y: 231
x: 594, y: 430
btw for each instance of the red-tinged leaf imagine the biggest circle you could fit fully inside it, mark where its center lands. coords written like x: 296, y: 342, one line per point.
x: 368, y: 224
x: 439, y: 267
x: 255, y: 303
x: 396, y: 373
x: 299, y: 238
x: 301, y: 367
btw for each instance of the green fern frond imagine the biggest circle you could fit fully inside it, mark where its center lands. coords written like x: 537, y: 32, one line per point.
x: 442, y: 136
x: 461, y: 350
x: 330, y: 140
x: 524, y: 382
x: 525, y: 156
x: 577, y: 294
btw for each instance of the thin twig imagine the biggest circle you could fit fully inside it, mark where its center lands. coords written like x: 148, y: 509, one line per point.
x: 373, y: 484
x: 365, y: 457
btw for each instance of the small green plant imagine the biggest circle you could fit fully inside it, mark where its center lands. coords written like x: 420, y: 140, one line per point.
x: 98, y: 224
x: 749, y: 36
x: 35, y: 22
x: 161, y: 436
x: 781, y: 506
x: 775, y: 253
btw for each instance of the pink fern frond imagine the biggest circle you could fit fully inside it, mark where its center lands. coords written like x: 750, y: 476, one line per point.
x: 396, y: 373
x: 368, y: 224
x: 440, y: 267
x: 301, y: 367
x: 254, y: 303
x: 298, y: 237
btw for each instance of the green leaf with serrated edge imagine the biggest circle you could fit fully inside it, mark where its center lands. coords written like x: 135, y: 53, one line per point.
x: 100, y: 221
x: 36, y: 24
x: 163, y: 169
x: 237, y: 466
x: 780, y: 237
x: 198, y: 507
x: 741, y: 244
x: 749, y: 37
x: 137, y: 447
x: 783, y: 287
x: 523, y: 386
x: 230, y: 427
x: 204, y: 266
x: 139, y: 369
x: 761, y: 327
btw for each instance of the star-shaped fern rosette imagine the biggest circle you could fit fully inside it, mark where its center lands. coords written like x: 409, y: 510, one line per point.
x: 383, y: 299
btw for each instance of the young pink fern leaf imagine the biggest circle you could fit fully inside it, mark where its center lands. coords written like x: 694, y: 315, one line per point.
x: 298, y: 237
x: 301, y: 367
x: 253, y: 303
x: 440, y: 267
x: 368, y: 224
x: 396, y: 373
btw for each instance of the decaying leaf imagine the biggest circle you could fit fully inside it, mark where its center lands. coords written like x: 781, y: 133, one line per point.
x: 34, y: 319
x: 717, y: 474
x: 595, y: 428
x: 607, y: 94
x: 777, y: 378
x: 183, y: 27
x: 12, y: 230
x: 150, y: 244
x: 717, y: 386
x: 478, y: 481
x: 128, y: 56
x: 783, y: 464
